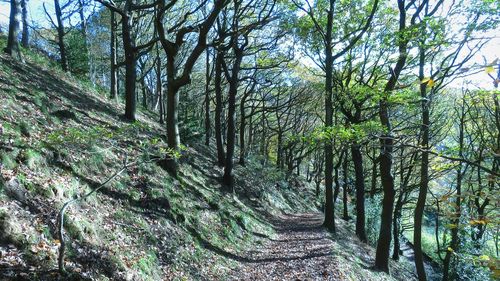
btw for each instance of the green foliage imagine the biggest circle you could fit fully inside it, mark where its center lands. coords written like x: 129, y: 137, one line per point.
x: 148, y: 266
x: 41, y: 100
x: 78, y: 59
x: 33, y: 158
x: 9, y: 159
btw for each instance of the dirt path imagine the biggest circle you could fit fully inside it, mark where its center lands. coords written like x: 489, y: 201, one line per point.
x: 300, y: 250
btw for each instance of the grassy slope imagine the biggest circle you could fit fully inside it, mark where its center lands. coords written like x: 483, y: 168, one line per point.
x: 143, y: 226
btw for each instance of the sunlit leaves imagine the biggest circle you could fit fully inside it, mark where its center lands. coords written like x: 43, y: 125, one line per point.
x: 489, y: 69
x: 429, y: 81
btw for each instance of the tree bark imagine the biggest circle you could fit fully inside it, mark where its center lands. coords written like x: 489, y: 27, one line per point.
x: 173, y: 137
x: 396, y: 223
x: 113, y: 92
x: 12, y: 42
x: 228, y: 177
x: 130, y: 65
x: 329, y: 222
x: 207, y: 97
x: 25, y: 33
x: 386, y: 143
x: 159, y: 84
x: 455, y: 242
x: 175, y: 80
x: 357, y: 160
x: 424, y: 172
x: 242, y: 131
x: 373, y: 189
x: 60, y: 36
x: 345, y: 172
x: 221, y: 156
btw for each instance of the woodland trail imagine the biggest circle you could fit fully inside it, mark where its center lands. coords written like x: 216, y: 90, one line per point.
x: 300, y: 250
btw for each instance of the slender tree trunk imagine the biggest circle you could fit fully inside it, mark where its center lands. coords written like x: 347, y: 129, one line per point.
x: 345, y: 214
x: 250, y: 133
x: 396, y: 223
x: 173, y: 137
x: 279, y: 150
x: 130, y: 68
x: 25, y: 34
x: 12, y: 41
x: 357, y: 160
x: 113, y: 93
x: 336, y: 178
x: 329, y: 222
x: 60, y: 36
x: 82, y: 19
x: 159, y: 84
x: 145, y: 92
x: 228, y: 177
x: 221, y: 156
x: 373, y: 189
x: 242, y: 132
x: 424, y: 173
x: 386, y: 143
x: 207, y: 98
x: 455, y: 242
x: 384, y: 241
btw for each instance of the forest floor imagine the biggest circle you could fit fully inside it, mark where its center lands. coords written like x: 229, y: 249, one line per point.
x: 302, y: 249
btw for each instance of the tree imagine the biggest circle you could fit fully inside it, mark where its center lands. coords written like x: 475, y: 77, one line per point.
x: 132, y: 51
x: 113, y: 92
x: 386, y: 146
x: 25, y: 32
x: 13, y: 42
x: 327, y: 44
x: 60, y: 32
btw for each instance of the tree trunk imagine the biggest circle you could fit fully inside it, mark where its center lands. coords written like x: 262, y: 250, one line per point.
x: 173, y: 137
x: 159, y: 84
x: 60, y: 36
x: 345, y: 214
x: 207, y: 98
x: 396, y: 223
x: 336, y: 179
x: 130, y: 69
x: 84, y: 33
x: 329, y: 222
x: 228, y: 177
x: 218, y: 110
x: 82, y: 20
x: 12, y: 41
x: 279, y: 150
x: 424, y: 173
x: 144, y: 94
x: 455, y: 242
x: 373, y: 189
x: 25, y: 34
x: 242, y: 132
x: 384, y: 241
x: 357, y: 160
x: 113, y: 93
x: 386, y: 148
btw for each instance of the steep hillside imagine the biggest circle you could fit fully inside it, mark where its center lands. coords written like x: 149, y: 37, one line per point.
x: 60, y: 138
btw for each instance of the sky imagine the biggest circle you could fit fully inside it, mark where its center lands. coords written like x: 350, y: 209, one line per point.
x: 480, y: 79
